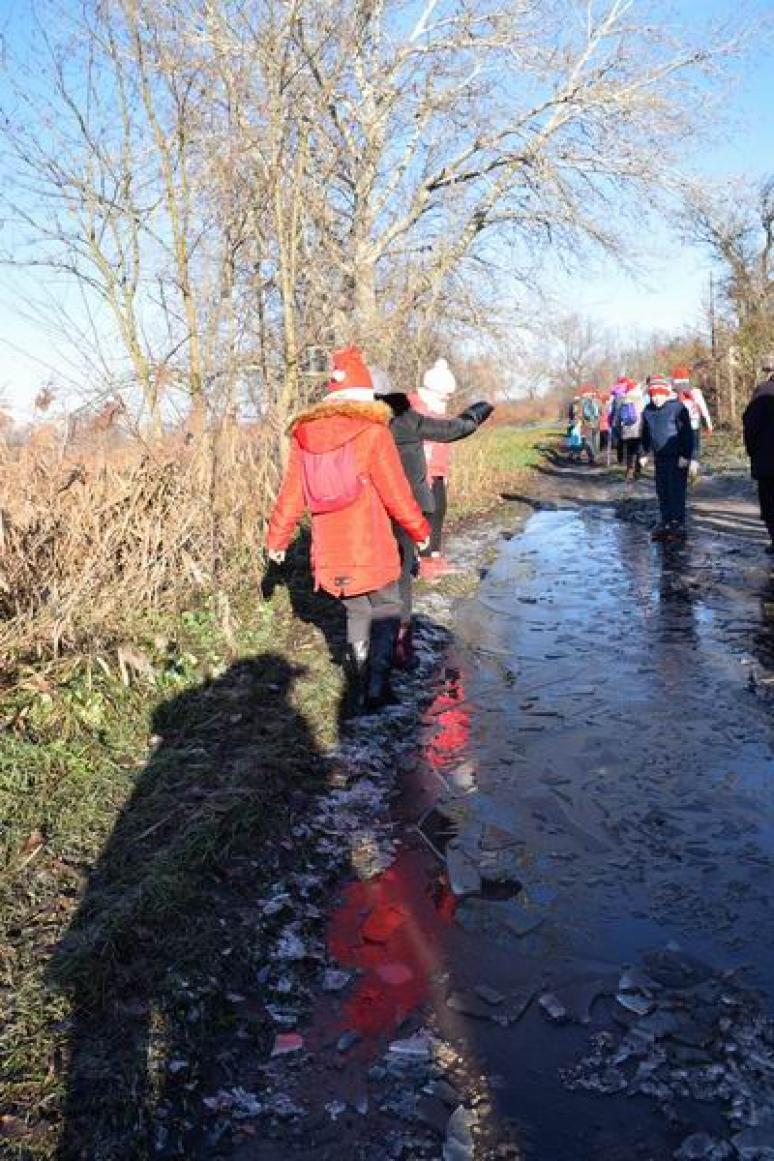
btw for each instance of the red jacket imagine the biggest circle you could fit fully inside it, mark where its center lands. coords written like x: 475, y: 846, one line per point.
x: 353, y: 550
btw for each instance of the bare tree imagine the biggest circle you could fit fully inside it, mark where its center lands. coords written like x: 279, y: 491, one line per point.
x: 236, y: 183
x: 736, y: 225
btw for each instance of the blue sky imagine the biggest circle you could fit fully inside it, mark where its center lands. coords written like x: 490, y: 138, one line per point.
x: 669, y: 293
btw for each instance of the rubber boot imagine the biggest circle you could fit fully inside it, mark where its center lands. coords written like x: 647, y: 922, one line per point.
x: 356, y: 675
x: 383, y: 637
x: 405, y: 658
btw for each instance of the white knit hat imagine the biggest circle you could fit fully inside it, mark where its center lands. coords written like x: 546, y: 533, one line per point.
x: 439, y: 380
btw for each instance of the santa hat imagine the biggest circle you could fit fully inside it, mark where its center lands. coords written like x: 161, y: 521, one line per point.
x: 659, y: 386
x: 681, y: 375
x: 350, y: 378
x: 439, y: 380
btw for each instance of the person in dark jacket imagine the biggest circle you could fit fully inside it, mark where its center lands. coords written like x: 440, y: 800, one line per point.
x: 758, y: 423
x: 667, y: 433
x: 411, y: 430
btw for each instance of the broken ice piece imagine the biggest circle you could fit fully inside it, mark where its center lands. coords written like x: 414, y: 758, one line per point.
x: 459, y: 1136
x: 553, y: 1007
x: 634, y: 1002
x: 462, y: 779
x: 275, y: 905
x: 287, y: 1042
x: 464, y: 878
x: 637, y: 981
x: 489, y: 995
x: 335, y: 980
x: 417, y: 1047
x: 290, y: 945
x: 702, y: 1147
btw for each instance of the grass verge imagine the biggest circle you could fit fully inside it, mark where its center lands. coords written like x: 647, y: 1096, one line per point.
x: 139, y: 826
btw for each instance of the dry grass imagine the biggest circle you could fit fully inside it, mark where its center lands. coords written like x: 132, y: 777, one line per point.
x: 491, y: 463
x: 85, y: 542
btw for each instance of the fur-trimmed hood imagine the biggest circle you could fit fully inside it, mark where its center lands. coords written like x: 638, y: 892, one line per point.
x: 333, y: 422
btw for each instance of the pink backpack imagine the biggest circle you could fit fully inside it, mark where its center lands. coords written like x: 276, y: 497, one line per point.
x: 330, y: 479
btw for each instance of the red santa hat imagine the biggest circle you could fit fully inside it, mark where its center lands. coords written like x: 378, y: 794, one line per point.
x: 350, y: 377
x: 681, y: 375
x: 659, y: 386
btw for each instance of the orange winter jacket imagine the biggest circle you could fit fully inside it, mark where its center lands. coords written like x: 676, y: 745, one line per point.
x: 353, y: 550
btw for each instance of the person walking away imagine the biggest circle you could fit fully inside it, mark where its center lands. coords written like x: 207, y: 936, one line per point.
x: 410, y: 430
x: 344, y: 469
x: 630, y: 426
x: 667, y: 433
x: 617, y: 392
x: 432, y: 399
x: 696, y: 404
x: 573, y: 438
x: 604, y: 427
x: 590, y: 422
x: 758, y: 426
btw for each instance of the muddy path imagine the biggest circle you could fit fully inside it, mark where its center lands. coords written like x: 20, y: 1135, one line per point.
x: 566, y: 952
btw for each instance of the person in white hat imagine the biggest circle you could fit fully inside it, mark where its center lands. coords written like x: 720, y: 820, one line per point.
x: 432, y: 398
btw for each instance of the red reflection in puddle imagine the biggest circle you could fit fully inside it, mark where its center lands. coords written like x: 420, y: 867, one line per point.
x: 453, y: 716
x: 391, y: 929
x: 388, y: 929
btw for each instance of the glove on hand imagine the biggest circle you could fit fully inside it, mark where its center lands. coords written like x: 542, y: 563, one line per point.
x: 682, y: 462
x: 478, y: 412
x: 643, y: 461
x: 424, y: 544
x: 276, y: 555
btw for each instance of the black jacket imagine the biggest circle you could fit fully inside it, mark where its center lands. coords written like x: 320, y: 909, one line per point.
x: 667, y: 431
x: 758, y: 423
x: 410, y: 430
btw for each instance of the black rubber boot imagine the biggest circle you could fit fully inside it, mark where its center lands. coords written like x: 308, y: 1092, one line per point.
x: 405, y: 658
x: 356, y: 674
x: 383, y: 636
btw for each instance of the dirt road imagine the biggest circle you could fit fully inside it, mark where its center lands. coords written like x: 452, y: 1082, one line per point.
x: 566, y: 955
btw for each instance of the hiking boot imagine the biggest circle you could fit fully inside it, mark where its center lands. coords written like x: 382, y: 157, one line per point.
x: 404, y: 657
x: 356, y: 677
x: 676, y: 532
x: 659, y: 533
x: 378, y: 690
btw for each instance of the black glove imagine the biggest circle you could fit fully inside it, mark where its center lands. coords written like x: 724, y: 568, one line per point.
x: 478, y: 412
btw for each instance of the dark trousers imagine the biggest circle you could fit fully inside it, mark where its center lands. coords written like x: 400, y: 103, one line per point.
x: 366, y: 608
x: 766, y: 498
x: 632, y: 456
x: 619, y: 450
x: 408, y: 551
x: 671, y: 489
x: 437, y: 517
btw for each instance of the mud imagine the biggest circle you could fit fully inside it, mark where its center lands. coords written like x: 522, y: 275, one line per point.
x: 568, y: 956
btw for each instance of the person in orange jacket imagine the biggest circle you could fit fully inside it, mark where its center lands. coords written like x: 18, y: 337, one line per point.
x: 344, y: 468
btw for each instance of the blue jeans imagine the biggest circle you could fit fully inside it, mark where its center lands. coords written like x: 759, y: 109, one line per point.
x: 671, y: 489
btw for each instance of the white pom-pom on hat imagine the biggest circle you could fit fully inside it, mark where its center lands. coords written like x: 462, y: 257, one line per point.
x: 439, y: 380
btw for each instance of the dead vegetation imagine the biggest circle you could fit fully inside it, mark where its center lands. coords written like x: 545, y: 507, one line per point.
x: 86, y: 542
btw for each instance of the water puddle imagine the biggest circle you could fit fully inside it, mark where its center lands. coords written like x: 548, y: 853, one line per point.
x: 583, y: 904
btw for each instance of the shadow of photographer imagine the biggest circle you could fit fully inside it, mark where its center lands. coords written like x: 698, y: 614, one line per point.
x: 166, y: 926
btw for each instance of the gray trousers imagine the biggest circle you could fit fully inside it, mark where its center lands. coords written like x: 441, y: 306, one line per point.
x: 381, y: 605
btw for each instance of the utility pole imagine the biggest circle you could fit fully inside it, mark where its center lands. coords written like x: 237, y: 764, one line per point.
x: 714, y: 344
